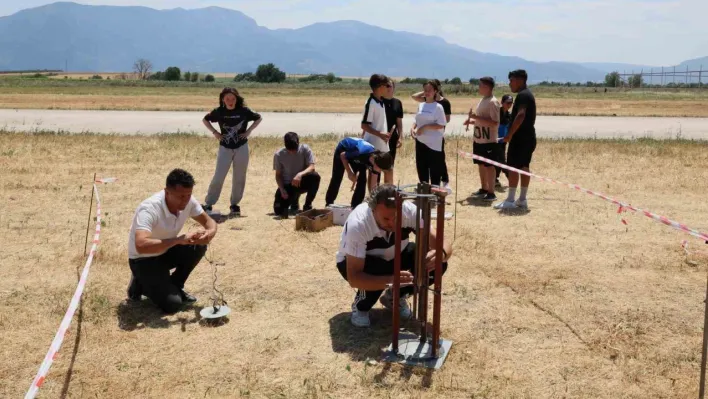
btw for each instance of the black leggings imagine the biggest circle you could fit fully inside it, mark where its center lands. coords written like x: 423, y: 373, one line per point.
x: 309, y: 184
x: 445, y: 176
x: 153, y: 274
x: 429, y: 164
x: 376, y: 266
x: 338, y: 175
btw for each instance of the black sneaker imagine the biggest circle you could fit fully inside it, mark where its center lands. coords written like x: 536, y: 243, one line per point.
x: 187, y: 297
x: 207, y: 208
x: 235, y: 211
x: 480, y: 193
x: 307, y: 208
x: 135, y: 291
x: 490, y: 197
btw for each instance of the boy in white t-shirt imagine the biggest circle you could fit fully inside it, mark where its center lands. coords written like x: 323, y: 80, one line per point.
x: 485, y: 118
x: 428, y: 131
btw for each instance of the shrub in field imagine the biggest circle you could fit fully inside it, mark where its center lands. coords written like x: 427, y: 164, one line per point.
x: 172, y: 74
x: 613, y: 79
x: 455, y: 81
x: 97, y: 77
x: 245, y: 77
x: 329, y: 78
x: 209, y: 78
x: 636, y: 81
x: 474, y: 81
x: 195, y: 76
x: 269, y: 73
x: 187, y: 76
x: 159, y: 75
x: 415, y: 80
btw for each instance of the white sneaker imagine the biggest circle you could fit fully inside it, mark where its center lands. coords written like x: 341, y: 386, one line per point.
x: 360, y: 318
x: 447, y: 188
x: 505, y: 205
x: 523, y: 204
x: 403, y: 308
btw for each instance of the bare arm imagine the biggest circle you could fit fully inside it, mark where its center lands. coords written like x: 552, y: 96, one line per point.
x: 209, y: 225
x: 418, y: 97
x: 210, y: 127
x: 516, y: 124
x: 347, y: 167
x: 368, y: 282
x: 146, y: 245
x: 279, y: 180
x: 368, y: 129
x: 298, y: 177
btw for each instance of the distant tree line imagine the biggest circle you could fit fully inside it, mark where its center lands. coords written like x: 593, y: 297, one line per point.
x: 143, y: 70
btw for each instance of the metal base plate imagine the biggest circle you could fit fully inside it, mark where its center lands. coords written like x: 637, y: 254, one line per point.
x: 208, y: 312
x: 413, y: 353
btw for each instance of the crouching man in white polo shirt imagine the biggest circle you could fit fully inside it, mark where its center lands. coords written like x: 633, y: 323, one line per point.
x: 155, y: 245
x: 366, y: 253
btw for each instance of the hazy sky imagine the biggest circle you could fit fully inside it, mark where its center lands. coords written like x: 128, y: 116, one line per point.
x: 653, y: 32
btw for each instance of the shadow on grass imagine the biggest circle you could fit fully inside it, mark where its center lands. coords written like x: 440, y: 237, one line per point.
x: 476, y: 201
x: 144, y: 314
x: 361, y: 343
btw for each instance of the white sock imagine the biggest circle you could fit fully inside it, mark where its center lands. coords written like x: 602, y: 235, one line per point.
x: 511, y: 195
x: 522, y: 195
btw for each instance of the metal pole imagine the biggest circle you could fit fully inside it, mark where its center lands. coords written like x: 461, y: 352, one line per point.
x: 662, y: 76
x: 700, y: 72
x: 418, y: 250
x: 687, y: 81
x: 88, y: 222
x: 397, y: 273
x: 702, y: 386
x: 422, y: 272
x: 437, y: 299
x: 674, y: 74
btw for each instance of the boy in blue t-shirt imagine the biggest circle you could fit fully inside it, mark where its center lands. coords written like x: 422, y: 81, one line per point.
x: 355, y: 156
x: 504, y: 123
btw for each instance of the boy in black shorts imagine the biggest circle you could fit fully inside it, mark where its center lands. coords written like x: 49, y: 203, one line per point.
x: 485, y: 119
x: 521, y: 139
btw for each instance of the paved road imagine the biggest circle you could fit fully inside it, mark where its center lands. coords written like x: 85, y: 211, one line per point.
x: 146, y: 122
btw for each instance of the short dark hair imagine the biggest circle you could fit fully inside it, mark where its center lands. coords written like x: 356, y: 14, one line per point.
x: 507, y: 98
x: 384, y: 194
x: 383, y: 160
x: 519, y: 73
x: 487, y: 80
x: 292, y: 141
x: 179, y: 177
x: 377, y: 80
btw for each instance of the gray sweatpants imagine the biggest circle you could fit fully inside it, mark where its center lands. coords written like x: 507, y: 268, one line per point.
x: 224, y: 159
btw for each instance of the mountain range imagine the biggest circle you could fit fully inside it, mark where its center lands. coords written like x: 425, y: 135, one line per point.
x: 213, y: 39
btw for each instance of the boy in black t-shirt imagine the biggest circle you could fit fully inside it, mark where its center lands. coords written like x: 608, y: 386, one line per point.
x: 521, y: 139
x: 394, y: 123
x: 504, y: 123
x: 233, y: 117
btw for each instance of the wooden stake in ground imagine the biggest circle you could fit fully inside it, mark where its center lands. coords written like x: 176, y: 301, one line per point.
x: 88, y: 223
x: 702, y: 387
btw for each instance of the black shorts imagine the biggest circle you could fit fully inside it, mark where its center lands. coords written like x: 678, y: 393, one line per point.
x: 520, y: 152
x: 487, y: 150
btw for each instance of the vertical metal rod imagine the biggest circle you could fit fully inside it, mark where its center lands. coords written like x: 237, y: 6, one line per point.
x: 457, y: 180
x: 88, y: 223
x: 418, y: 249
x: 702, y: 386
x: 422, y: 272
x: 437, y: 299
x: 397, y: 273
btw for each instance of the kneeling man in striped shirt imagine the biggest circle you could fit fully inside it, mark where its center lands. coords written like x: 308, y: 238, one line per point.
x: 366, y: 253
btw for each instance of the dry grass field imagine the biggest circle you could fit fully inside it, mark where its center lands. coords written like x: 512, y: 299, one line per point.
x: 344, y: 99
x: 562, y: 302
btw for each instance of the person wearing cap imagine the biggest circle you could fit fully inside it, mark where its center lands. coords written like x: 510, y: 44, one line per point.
x: 294, y: 167
x: 521, y: 139
x: 485, y: 118
x: 233, y: 117
x: 367, y: 250
x: 355, y: 156
x: 504, y: 121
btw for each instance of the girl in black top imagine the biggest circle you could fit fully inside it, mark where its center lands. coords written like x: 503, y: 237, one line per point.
x: 233, y: 117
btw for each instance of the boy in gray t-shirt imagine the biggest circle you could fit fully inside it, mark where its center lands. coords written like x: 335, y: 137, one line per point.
x: 295, y: 174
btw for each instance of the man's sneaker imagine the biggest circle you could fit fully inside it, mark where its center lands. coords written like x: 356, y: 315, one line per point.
x: 207, y: 208
x: 307, y: 208
x: 360, y: 318
x: 490, y: 197
x: 523, y: 204
x: 480, y: 193
x: 446, y: 187
x: 403, y: 308
x: 187, y: 297
x: 505, y: 205
x: 235, y: 211
x: 135, y: 291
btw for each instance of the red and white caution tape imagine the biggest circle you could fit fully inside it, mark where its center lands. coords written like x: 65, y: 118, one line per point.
x: 73, y: 305
x: 622, y: 206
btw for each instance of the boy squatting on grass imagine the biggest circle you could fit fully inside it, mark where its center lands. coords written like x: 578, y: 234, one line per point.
x: 294, y: 167
x: 367, y: 250
x: 485, y: 118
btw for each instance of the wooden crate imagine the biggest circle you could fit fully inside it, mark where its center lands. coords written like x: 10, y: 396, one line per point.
x: 314, y: 220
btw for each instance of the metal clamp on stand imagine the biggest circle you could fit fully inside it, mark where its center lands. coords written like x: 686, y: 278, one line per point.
x: 425, y: 349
